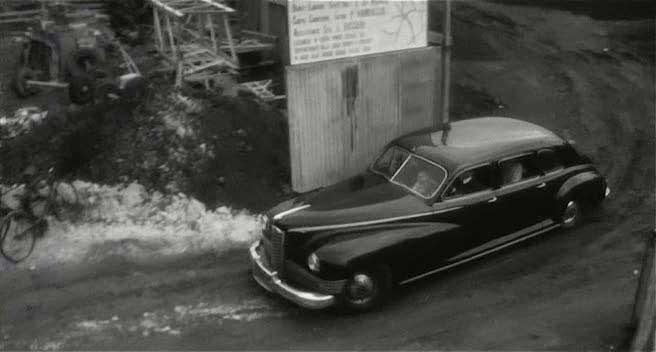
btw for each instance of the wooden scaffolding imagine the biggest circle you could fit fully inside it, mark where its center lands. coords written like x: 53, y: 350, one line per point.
x: 195, y: 37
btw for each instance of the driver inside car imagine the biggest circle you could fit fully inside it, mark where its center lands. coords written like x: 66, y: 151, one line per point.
x: 424, y: 184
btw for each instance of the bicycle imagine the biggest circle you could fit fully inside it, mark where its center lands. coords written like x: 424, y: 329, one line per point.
x: 20, y: 228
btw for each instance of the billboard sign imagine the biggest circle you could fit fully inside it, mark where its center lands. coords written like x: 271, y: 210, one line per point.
x: 325, y: 30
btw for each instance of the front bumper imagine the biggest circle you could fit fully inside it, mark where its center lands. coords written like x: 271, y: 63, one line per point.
x: 272, y: 283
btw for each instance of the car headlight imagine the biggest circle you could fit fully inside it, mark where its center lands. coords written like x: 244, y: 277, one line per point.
x: 313, y: 262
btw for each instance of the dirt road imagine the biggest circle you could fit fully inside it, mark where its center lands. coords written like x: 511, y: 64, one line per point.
x: 590, y: 80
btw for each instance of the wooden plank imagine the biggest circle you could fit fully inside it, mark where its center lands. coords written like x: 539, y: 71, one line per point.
x: 158, y: 30
x: 210, y: 22
x: 231, y: 42
x: 417, y: 89
x: 377, y: 110
x: 20, y: 13
x: 218, y: 5
x: 259, y: 35
x: 167, y: 8
x: 644, y: 338
x: 169, y: 30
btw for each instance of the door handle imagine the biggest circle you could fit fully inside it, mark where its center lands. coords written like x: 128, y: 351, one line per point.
x: 542, y: 185
x: 492, y: 200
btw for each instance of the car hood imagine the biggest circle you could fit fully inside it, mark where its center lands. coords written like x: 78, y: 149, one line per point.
x: 363, y: 198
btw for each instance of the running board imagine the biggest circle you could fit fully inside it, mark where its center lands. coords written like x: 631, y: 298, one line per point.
x: 493, y: 246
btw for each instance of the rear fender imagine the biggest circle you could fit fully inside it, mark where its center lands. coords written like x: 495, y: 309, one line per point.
x: 588, y: 185
x: 371, y: 246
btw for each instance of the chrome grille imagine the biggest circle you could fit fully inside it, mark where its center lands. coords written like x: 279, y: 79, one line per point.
x: 277, y: 253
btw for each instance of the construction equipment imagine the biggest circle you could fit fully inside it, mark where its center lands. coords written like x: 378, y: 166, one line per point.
x: 82, y: 56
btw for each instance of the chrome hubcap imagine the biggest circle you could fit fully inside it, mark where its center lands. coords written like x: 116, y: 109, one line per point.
x: 570, y: 213
x: 361, y: 288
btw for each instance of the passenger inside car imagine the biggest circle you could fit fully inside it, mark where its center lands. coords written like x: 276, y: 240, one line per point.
x: 511, y: 172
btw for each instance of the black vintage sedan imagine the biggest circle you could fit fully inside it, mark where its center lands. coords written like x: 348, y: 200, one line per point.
x: 432, y: 200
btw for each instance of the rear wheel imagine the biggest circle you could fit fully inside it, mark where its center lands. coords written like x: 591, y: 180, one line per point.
x: 570, y: 213
x: 17, y: 236
x: 366, y: 289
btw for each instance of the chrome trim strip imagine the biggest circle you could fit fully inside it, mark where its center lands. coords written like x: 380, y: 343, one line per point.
x: 402, y: 165
x: 501, y: 240
x: 370, y: 222
x: 466, y: 197
x: 290, y: 211
x: 515, y: 156
x: 521, y: 184
x: 371, y: 166
x: 492, y: 250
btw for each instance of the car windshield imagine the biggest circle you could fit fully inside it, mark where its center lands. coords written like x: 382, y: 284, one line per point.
x: 410, y: 171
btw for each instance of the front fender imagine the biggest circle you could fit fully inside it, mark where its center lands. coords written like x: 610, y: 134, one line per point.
x: 373, y: 244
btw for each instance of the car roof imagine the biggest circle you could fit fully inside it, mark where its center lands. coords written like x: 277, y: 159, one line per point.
x: 478, y: 140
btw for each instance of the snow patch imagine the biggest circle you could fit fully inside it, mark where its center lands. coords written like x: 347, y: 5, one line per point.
x: 173, y: 321
x: 128, y: 222
x: 246, y: 311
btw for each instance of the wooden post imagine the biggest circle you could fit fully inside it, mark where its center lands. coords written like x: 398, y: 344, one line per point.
x: 158, y: 30
x: 226, y: 24
x: 174, y: 52
x: 446, y: 64
x: 644, y: 306
x: 264, y: 17
x: 210, y: 21
x: 201, y: 26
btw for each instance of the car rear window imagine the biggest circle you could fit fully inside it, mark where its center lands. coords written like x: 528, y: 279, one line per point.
x: 518, y: 169
x: 547, y: 161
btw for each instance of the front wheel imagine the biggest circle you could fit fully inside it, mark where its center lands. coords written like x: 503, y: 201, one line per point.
x: 17, y: 236
x: 366, y: 289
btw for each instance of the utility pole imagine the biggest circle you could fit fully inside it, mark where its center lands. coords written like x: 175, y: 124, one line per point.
x: 446, y: 64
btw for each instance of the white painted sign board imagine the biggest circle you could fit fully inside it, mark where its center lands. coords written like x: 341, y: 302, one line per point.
x: 326, y: 30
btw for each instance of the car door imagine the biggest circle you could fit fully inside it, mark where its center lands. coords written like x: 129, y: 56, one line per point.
x: 468, y: 200
x: 522, y: 193
x: 553, y: 170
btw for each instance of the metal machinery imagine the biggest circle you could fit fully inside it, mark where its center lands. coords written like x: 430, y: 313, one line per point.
x: 77, y: 53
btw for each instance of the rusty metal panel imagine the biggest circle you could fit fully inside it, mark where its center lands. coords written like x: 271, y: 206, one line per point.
x: 342, y: 112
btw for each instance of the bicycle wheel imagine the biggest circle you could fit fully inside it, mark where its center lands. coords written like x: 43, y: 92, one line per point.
x: 17, y: 236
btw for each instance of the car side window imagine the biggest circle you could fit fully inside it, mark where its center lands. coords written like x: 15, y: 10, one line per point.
x: 517, y: 169
x: 471, y: 181
x: 548, y: 161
